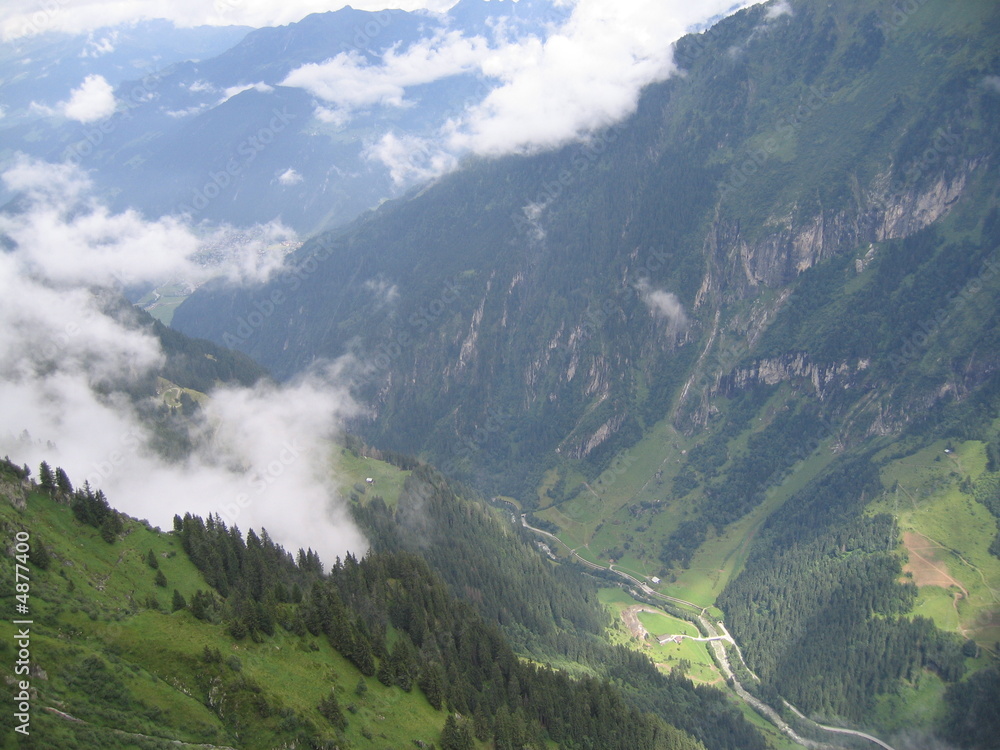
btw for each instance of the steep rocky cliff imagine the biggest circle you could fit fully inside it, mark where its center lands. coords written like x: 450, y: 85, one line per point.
x: 589, y: 292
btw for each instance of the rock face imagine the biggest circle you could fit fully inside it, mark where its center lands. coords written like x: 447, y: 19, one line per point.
x: 789, y: 246
x: 15, y: 492
x: 637, y: 287
x: 823, y: 378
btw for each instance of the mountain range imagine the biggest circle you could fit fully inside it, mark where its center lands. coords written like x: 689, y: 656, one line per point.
x: 243, y: 132
x: 718, y: 383
x: 698, y: 344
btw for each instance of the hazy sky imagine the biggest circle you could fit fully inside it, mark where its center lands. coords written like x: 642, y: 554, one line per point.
x: 18, y: 17
x: 544, y: 90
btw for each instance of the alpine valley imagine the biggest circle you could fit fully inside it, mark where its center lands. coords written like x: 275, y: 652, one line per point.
x: 683, y: 435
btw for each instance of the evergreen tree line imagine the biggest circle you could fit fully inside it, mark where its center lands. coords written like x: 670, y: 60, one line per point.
x: 395, y: 619
x: 482, y: 558
x: 89, y: 507
x: 548, y: 611
x: 819, y: 608
x: 390, y: 625
x: 392, y: 617
x: 987, y: 491
x: 769, y: 455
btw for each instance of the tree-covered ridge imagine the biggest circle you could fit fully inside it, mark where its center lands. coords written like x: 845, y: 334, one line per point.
x: 819, y: 607
x: 819, y: 191
x: 191, y: 363
x: 388, y: 615
x: 519, y: 588
x: 394, y: 619
x: 549, y: 612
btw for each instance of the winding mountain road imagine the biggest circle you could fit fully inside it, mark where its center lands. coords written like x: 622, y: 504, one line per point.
x: 716, y: 641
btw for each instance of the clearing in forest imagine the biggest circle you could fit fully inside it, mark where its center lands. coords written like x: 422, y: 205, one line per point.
x: 925, y: 563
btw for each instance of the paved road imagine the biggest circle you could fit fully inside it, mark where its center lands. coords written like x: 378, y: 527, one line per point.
x: 715, y: 639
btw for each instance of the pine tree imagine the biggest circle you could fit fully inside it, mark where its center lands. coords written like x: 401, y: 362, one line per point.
x: 456, y: 735
x: 160, y: 579
x: 503, y: 729
x: 329, y: 707
x: 385, y: 674
x: 481, y: 723
x: 110, y: 528
x: 178, y: 602
x: 46, y: 479
x: 151, y: 560
x: 432, y: 683
x: 362, y: 656
x: 40, y: 555
x: 62, y: 482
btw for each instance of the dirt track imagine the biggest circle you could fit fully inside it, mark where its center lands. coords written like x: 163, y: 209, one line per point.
x: 924, y: 565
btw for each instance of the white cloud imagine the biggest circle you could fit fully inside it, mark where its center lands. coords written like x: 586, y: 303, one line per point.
x: 262, y: 455
x: 411, y: 159
x: 20, y: 18
x: 778, y: 9
x: 103, y: 46
x: 41, y: 109
x: 333, y: 116
x: 178, y: 113
x: 350, y: 83
x: 533, y: 214
x: 232, y: 91
x: 69, y: 239
x: 289, y: 177
x: 663, y: 305
x: 93, y: 100
x: 385, y: 293
x: 582, y: 78
x: 584, y: 75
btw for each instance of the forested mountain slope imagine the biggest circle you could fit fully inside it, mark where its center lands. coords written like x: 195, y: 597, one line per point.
x: 257, y: 647
x: 578, y: 297
x: 743, y: 345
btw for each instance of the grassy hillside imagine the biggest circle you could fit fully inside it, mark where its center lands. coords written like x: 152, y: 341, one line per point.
x: 145, y: 638
x: 945, y: 537
x: 107, y: 650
